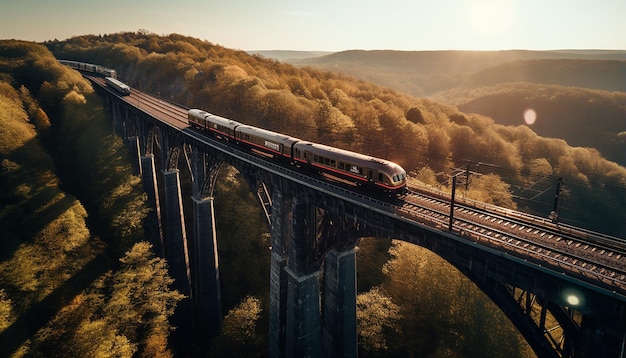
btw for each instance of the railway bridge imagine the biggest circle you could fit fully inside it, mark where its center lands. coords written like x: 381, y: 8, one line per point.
x: 536, y: 272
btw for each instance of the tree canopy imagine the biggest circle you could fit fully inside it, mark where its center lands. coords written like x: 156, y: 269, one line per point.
x: 353, y: 114
x: 69, y: 206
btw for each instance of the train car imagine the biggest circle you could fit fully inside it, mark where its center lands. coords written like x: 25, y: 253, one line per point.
x: 343, y: 164
x: 117, y: 85
x: 88, y: 67
x: 356, y: 167
x: 267, y: 141
x: 219, y: 126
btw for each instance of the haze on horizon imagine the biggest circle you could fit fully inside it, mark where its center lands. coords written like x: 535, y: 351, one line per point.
x: 328, y: 25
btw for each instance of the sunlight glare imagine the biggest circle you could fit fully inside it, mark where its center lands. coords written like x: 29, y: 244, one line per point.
x: 530, y: 116
x: 490, y: 16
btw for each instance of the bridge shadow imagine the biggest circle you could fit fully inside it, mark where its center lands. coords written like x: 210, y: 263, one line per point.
x: 40, y: 313
x: 30, y: 197
x: 26, y: 220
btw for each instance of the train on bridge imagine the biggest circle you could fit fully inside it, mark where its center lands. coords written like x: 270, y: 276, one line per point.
x: 117, y: 85
x: 358, y: 169
x: 88, y: 67
x: 110, y: 75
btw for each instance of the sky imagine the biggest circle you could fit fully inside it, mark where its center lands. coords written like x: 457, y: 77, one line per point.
x: 333, y: 25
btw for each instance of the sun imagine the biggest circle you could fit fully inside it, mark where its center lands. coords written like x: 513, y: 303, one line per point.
x: 490, y: 16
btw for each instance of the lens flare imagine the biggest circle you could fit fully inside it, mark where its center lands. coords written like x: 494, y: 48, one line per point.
x: 573, y: 300
x: 530, y: 116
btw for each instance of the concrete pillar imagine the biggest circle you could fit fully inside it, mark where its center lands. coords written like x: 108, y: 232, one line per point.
x: 152, y: 224
x: 303, y: 328
x: 176, y: 250
x: 339, y: 311
x: 207, y: 293
x: 278, y: 276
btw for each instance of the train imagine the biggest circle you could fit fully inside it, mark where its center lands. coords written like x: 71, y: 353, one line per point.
x: 338, y: 164
x: 88, y: 67
x: 117, y: 85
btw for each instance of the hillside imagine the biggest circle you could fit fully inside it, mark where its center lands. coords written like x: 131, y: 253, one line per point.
x: 582, y: 117
x: 574, y: 93
x: 607, y: 75
x: 428, y: 138
x: 71, y: 217
x: 287, y: 56
x: 580, y: 101
x: 339, y: 110
x: 423, y: 73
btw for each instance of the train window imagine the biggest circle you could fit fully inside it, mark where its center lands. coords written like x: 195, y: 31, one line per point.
x: 315, y: 158
x: 333, y: 163
x: 326, y: 161
x: 341, y: 166
x: 380, y: 177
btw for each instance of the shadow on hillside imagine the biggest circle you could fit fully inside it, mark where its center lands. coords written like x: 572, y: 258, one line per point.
x: 26, y: 220
x: 39, y: 314
x: 25, y: 215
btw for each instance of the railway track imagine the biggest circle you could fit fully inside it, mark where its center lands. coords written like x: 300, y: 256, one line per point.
x: 582, y: 256
x: 163, y: 107
x: 160, y: 108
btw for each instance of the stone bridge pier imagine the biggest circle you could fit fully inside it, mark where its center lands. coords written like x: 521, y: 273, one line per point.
x: 312, y: 282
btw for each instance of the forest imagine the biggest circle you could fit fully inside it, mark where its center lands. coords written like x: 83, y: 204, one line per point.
x: 423, y: 135
x: 578, y: 96
x: 76, y: 279
x: 67, y: 186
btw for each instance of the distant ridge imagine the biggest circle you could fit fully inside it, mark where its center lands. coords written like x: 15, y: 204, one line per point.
x: 424, y: 73
x: 448, y: 60
x: 283, y: 55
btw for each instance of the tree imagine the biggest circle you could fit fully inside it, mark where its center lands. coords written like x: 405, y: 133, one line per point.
x: 377, y: 316
x: 6, y: 308
x: 141, y: 300
x: 239, y: 336
x: 415, y: 115
x: 445, y: 313
x: 491, y: 189
x: 98, y: 339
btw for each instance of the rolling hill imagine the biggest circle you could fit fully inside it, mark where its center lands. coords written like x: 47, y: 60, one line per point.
x: 577, y: 94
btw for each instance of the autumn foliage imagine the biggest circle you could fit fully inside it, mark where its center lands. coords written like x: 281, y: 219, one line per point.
x: 69, y: 205
x: 87, y: 229
x: 340, y: 110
